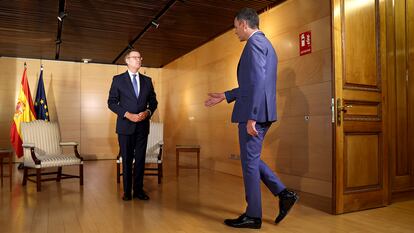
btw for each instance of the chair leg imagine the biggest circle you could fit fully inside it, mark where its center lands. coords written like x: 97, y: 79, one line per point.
x: 38, y: 179
x: 24, y: 176
x: 159, y: 172
x: 81, y: 174
x: 59, y: 174
x: 118, y: 173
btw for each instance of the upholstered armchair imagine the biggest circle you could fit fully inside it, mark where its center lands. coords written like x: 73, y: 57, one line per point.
x: 154, y: 155
x: 42, y: 148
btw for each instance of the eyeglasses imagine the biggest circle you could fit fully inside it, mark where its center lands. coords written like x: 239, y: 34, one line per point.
x: 136, y: 58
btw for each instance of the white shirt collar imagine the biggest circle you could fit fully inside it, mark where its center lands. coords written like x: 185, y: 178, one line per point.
x: 132, y: 78
x: 253, y: 34
x: 130, y: 74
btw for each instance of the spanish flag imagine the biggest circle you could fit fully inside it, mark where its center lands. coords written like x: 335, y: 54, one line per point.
x: 24, y: 113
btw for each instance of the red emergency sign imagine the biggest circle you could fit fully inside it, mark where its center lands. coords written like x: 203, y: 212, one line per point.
x: 305, y: 43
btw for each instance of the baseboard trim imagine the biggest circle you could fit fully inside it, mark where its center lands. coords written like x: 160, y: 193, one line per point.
x: 315, y: 201
x: 402, y: 195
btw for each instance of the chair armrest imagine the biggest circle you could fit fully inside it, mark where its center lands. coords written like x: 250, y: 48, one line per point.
x: 68, y: 143
x: 28, y: 145
x: 31, y: 146
x: 75, y: 148
x: 160, y: 152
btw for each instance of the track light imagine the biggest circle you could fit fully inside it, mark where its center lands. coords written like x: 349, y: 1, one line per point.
x: 155, y: 24
x: 61, y: 16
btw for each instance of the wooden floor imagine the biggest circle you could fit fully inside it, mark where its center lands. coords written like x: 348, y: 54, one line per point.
x: 186, y: 204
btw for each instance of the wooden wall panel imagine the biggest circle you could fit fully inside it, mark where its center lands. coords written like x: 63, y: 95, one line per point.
x: 63, y: 93
x: 403, y: 164
x: 293, y: 14
x: 401, y: 96
x: 98, y: 136
x: 286, y: 44
x: 410, y: 84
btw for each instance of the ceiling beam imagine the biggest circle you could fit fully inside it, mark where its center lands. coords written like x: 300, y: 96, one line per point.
x: 149, y: 25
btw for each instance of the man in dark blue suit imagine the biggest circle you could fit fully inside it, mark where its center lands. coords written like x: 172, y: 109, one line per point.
x: 133, y: 99
x: 254, y: 111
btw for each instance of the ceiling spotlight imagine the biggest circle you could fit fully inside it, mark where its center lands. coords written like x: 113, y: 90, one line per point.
x: 61, y: 16
x: 155, y: 24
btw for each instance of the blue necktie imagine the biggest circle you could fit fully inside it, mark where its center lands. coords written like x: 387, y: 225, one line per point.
x: 135, y: 84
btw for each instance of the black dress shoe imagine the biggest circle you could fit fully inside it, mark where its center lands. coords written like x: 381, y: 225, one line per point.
x: 127, y: 197
x: 286, y: 200
x: 141, y: 196
x: 244, y: 221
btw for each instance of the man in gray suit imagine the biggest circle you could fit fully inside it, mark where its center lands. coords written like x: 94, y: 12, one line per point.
x: 254, y: 111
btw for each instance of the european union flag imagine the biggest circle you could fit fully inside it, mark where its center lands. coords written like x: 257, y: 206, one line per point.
x: 40, y: 105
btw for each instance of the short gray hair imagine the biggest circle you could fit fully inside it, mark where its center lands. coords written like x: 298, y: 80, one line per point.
x: 250, y: 16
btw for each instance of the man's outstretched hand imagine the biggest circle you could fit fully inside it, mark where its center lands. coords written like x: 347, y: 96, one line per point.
x: 213, y: 99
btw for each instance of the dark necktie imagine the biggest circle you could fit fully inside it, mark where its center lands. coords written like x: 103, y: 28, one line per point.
x: 135, y: 84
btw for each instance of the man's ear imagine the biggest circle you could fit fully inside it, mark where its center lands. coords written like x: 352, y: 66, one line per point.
x: 245, y: 25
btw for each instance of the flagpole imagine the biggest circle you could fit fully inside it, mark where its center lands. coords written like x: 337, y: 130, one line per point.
x: 21, y: 164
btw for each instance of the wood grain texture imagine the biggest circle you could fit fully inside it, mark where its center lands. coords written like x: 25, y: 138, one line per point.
x: 401, y: 96
x: 187, y: 204
x: 101, y: 30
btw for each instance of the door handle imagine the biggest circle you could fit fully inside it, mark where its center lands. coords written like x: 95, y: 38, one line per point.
x: 340, y: 109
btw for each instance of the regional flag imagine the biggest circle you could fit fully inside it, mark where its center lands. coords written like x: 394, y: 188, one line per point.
x: 24, y: 113
x: 40, y: 104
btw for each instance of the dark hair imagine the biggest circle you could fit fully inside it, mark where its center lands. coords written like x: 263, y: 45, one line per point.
x: 129, y: 51
x: 250, y: 16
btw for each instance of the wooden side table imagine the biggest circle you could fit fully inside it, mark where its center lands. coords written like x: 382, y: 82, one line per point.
x: 187, y: 148
x: 4, y: 153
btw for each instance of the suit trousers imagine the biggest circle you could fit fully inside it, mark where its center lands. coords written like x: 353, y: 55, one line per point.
x: 254, y: 169
x: 133, y: 149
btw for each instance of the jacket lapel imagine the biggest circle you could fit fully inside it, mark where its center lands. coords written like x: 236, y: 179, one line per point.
x: 142, y: 85
x: 128, y: 83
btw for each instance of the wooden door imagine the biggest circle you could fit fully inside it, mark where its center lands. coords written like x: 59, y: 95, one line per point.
x: 360, y: 164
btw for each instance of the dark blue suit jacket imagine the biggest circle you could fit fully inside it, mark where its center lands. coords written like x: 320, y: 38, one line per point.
x: 122, y: 99
x: 256, y: 75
